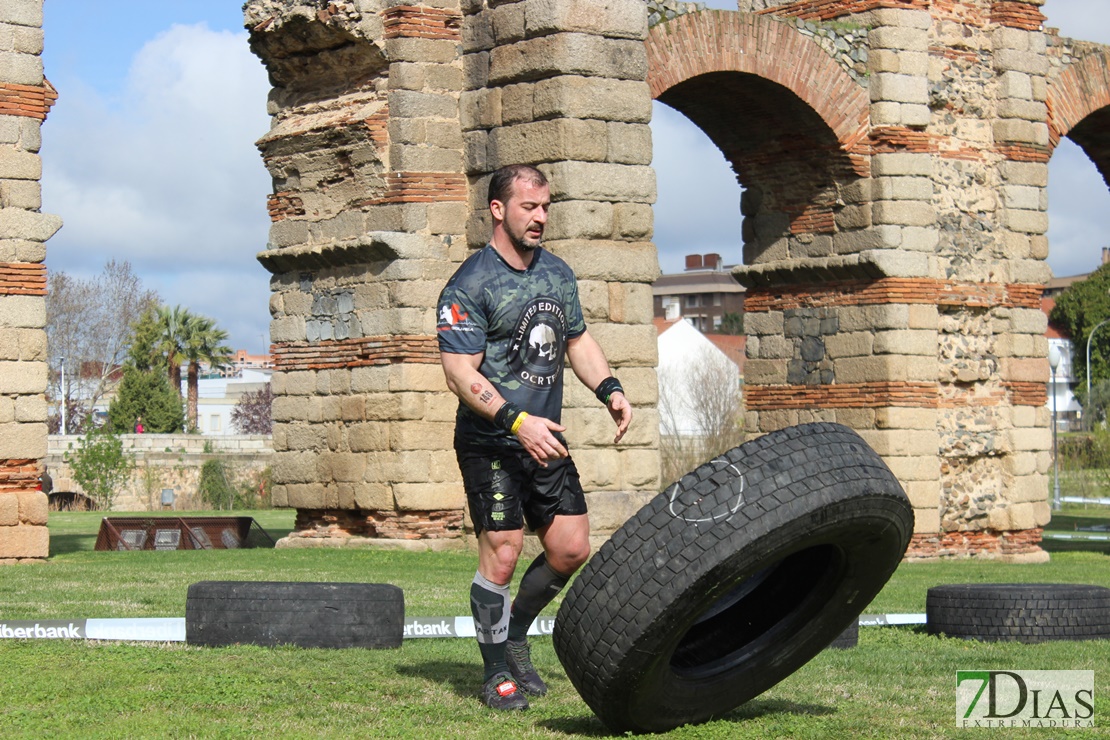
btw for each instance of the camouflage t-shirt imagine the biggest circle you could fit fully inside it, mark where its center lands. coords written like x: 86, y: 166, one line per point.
x: 521, y: 320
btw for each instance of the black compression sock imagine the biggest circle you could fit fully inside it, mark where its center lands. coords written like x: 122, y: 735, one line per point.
x: 538, y: 587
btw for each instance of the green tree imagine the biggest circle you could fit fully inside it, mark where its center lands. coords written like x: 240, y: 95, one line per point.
x: 100, y: 466
x: 172, y: 324
x: 145, y: 394
x: 203, y: 342
x: 144, y: 352
x: 1079, y: 309
x: 88, y: 329
x: 1095, y: 407
x: 732, y: 323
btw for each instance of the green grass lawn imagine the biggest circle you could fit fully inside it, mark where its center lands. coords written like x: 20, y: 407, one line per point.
x: 899, y: 682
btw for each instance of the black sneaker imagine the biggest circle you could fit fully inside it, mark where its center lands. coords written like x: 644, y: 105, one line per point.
x: 501, y: 692
x: 519, y: 657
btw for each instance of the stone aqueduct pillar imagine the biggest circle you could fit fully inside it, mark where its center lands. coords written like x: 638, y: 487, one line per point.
x: 894, y: 232
x: 25, y: 98
x: 387, y: 119
x: 894, y: 155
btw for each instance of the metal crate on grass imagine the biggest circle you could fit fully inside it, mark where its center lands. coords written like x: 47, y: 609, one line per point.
x: 181, y: 533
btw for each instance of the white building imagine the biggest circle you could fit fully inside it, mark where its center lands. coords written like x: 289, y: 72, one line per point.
x: 217, y: 396
x: 689, y: 366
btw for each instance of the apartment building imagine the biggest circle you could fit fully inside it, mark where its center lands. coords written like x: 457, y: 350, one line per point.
x: 703, y: 293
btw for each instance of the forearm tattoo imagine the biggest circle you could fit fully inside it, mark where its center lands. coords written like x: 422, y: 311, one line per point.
x: 484, y: 396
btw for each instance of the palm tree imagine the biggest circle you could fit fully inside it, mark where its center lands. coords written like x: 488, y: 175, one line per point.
x: 172, y: 323
x: 203, y: 341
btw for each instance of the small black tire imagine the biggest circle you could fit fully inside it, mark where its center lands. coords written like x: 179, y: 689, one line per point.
x: 318, y: 615
x: 732, y: 578
x: 849, y: 638
x: 1019, y: 612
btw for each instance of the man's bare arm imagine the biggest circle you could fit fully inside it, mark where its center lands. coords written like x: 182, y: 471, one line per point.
x: 475, y: 390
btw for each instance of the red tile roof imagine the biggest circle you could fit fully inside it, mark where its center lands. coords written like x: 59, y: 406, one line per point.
x: 732, y: 345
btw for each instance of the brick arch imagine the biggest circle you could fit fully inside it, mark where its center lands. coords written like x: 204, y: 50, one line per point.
x: 1079, y: 108
x: 791, y: 123
x: 707, y: 42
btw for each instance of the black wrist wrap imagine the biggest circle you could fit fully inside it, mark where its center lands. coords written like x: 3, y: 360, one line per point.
x: 506, y: 416
x: 606, y: 388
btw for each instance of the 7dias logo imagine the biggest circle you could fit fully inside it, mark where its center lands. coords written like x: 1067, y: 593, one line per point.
x: 1025, y: 699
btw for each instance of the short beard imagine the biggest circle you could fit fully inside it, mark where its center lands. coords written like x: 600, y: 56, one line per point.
x: 520, y: 244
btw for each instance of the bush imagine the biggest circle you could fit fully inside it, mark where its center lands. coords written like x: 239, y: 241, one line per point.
x: 100, y: 466
x: 215, y: 487
x: 254, y: 493
x: 220, y: 489
x: 1077, y: 451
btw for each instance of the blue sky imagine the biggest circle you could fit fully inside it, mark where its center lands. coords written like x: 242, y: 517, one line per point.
x: 149, y: 156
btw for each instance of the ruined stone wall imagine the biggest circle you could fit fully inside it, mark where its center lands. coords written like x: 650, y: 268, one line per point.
x: 369, y: 211
x: 561, y: 84
x: 25, y: 99
x: 894, y: 158
x: 921, y: 327
x: 387, y: 119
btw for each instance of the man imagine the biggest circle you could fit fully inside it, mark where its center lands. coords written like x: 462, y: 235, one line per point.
x: 508, y: 319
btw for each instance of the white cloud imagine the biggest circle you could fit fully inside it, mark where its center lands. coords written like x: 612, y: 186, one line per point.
x: 1078, y: 200
x: 1078, y: 212
x: 168, y: 177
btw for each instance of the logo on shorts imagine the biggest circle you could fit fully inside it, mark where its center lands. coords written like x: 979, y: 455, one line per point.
x: 539, y: 342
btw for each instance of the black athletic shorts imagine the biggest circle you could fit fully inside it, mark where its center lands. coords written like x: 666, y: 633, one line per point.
x: 503, y: 485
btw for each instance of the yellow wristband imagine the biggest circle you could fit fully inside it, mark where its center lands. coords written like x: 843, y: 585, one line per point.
x: 519, y: 420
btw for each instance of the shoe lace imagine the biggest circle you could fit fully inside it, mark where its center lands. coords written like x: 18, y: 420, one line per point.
x: 522, y: 656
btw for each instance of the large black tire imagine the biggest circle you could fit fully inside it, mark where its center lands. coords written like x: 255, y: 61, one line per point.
x: 1021, y: 612
x: 733, y: 578
x: 327, y: 615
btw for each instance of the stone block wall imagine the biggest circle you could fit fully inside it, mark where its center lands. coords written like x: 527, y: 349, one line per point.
x: 387, y: 119
x: 894, y: 158
x: 169, y: 461
x: 921, y: 326
x: 561, y: 85
x: 369, y: 211
x: 25, y: 99
x: 894, y: 155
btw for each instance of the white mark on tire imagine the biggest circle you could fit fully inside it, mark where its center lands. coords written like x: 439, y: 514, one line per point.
x: 712, y: 519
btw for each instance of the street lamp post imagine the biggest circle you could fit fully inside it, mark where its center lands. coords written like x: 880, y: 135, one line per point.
x: 1054, y: 362
x: 63, y: 395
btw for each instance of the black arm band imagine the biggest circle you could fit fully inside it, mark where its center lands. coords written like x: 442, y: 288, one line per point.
x: 607, y: 388
x: 506, y: 415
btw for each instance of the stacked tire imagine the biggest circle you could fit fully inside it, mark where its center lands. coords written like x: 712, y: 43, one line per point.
x: 1019, y: 612
x: 306, y: 614
x: 732, y: 578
